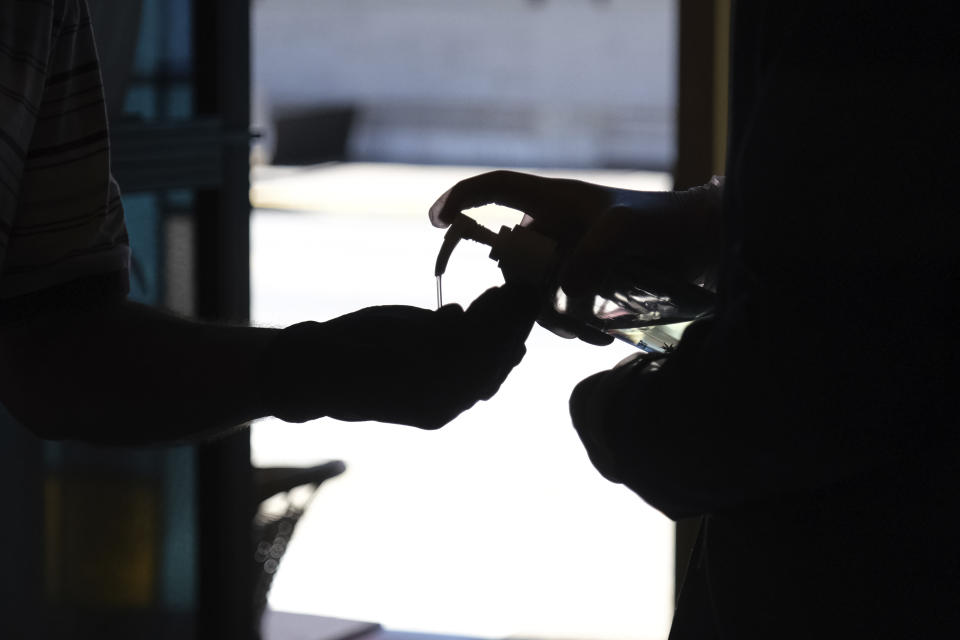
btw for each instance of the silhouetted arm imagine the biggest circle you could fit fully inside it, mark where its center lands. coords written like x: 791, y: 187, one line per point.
x: 127, y: 373
x: 124, y: 373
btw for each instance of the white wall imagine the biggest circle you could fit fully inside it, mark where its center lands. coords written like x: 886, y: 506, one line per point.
x: 549, y: 83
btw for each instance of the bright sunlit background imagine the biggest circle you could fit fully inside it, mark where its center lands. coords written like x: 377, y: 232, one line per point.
x: 497, y: 525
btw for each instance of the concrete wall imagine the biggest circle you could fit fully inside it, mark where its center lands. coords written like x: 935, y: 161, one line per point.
x: 502, y: 82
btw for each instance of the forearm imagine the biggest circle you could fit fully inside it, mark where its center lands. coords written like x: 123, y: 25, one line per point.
x: 127, y: 373
x: 739, y: 413
x: 680, y: 232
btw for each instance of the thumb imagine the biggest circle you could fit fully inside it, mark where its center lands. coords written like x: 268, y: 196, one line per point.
x: 504, y: 315
x: 518, y: 302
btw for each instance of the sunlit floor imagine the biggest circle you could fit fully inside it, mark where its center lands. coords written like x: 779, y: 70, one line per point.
x: 495, y: 526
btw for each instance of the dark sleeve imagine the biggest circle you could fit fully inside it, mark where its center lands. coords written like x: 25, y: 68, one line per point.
x: 834, y: 339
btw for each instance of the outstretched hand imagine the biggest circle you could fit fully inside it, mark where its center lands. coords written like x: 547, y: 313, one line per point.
x: 399, y: 364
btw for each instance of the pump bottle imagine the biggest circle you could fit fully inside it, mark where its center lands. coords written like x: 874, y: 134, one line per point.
x: 635, y: 304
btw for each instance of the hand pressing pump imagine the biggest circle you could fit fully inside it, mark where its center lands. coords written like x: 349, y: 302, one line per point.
x: 637, y: 304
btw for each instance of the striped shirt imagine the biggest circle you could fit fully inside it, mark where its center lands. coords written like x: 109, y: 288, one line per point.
x: 61, y: 218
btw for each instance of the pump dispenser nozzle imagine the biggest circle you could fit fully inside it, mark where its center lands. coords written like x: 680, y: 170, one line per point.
x: 523, y: 255
x: 461, y: 227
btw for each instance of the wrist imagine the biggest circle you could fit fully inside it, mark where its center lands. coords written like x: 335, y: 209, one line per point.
x: 284, y: 383
x: 701, y: 209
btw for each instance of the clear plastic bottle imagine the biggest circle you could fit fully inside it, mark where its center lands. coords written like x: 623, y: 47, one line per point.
x: 638, y: 305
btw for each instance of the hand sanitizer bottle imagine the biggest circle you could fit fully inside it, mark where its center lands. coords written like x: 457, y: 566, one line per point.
x: 636, y: 304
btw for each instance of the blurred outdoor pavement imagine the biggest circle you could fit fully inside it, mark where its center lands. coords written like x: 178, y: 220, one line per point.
x: 495, y: 526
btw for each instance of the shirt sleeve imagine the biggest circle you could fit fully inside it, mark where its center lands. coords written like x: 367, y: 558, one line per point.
x: 61, y: 216
x: 25, y: 44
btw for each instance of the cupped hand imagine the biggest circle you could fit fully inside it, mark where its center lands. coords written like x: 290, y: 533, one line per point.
x: 400, y: 364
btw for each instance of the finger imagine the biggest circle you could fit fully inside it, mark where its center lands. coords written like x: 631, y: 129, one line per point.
x: 567, y: 326
x: 510, y: 302
x: 500, y: 367
x: 449, y: 310
x: 595, y: 337
x: 521, y: 191
x: 558, y: 323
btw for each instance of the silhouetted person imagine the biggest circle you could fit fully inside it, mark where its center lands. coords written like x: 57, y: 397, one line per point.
x: 812, y: 421
x: 79, y: 361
